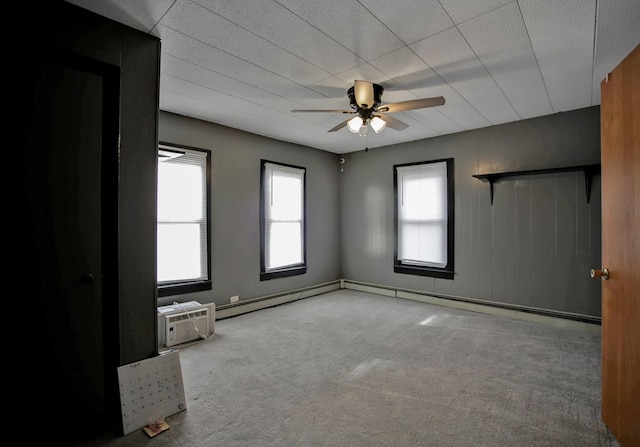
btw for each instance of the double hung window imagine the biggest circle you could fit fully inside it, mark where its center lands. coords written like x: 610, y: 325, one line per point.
x: 283, y: 232
x: 183, y: 220
x: 424, y: 219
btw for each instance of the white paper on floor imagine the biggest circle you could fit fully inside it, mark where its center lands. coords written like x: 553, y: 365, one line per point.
x: 151, y: 390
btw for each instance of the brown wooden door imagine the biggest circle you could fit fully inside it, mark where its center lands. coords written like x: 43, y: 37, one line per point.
x: 620, y: 123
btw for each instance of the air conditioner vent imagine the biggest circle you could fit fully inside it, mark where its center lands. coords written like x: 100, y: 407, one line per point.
x: 185, y: 322
x: 187, y: 316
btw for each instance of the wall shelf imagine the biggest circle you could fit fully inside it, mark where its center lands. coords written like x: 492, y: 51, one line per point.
x: 588, y: 170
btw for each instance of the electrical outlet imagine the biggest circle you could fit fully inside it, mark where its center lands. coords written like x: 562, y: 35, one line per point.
x: 234, y: 299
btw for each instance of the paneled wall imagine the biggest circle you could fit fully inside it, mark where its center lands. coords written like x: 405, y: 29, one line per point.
x: 235, y: 199
x: 533, y: 247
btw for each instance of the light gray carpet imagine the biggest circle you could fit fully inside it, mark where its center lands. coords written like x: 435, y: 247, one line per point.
x: 355, y: 369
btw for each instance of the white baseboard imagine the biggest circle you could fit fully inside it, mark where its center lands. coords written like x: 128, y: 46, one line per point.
x: 552, y: 318
x: 242, y: 307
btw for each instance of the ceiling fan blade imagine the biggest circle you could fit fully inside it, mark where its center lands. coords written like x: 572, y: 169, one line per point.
x: 394, y: 123
x: 339, y: 126
x: 324, y: 110
x: 412, y: 104
x: 363, y: 92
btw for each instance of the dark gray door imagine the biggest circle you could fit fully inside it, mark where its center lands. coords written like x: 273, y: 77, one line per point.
x: 70, y: 125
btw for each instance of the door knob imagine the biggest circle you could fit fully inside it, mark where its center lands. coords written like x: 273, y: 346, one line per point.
x: 87, y: 278
x: 604, y: 273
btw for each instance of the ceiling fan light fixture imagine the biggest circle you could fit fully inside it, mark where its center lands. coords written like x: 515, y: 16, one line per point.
x: 354, y: 124
x: 377, y: 124
x: 365, y: 98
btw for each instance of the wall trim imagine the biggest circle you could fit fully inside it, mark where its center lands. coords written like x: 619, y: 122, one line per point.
x: 545, y: 316
x: 250, y: 305
x: 551, y: 317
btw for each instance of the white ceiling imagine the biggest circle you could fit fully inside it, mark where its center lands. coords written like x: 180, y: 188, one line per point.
x: 247, y: 63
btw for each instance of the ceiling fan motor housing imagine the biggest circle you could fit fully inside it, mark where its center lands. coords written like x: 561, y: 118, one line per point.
x: 377, y: 97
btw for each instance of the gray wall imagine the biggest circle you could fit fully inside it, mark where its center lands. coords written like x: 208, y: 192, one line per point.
x: 139, y: 59
x: 534, y: 247
x: 235, y: 200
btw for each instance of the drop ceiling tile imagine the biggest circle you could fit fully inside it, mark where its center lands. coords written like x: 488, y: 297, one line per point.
x: 278, y: 25
x: 461, y: 10
x: 218, y: 101
x: 212, y: 29
x: 407, y: 69
x: 178, y: 68
x: 419, y: 19
x: 396, y: 92
x: 417, y: 128
x: 500, y: 40
x: 324, y: 121
x: 190, y: 103
x: 179, y: 46
x: 458, y: 110
x: 413, y: 74
x: 449, y: 55
x: 348, y: 23
x: 436, y: 120
x: 334, y: 88
x: 562, y: 36
x: 364, y: 72
x: 306, y: 98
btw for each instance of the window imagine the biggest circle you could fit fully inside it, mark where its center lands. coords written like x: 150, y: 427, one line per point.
x: 282, y: 218
x: 424, y: 219
x: 183, y: 220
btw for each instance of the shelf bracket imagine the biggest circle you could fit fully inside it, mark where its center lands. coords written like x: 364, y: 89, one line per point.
x: 492, y: 179
x: 589, y: 172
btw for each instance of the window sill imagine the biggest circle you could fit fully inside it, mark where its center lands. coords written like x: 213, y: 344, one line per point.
x: 181, y: 288
x: 283, y: 273
x: 423, y: 271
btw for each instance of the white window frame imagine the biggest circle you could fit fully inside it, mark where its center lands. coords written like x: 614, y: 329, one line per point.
x: 424, y: 225
x: 198, y: 278
x: 276, y: 213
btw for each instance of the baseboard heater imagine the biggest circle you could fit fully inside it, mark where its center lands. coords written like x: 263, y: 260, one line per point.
x: 180, y: 323
x: 556, y: 318
x: 250, y: 305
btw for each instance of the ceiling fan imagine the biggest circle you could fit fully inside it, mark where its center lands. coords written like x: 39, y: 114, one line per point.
x: 365, y: 100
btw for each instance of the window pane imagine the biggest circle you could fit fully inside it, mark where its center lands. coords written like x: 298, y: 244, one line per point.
x: 180, y: 192
x: 178, y: 251
x: 424, y: 243
x: 424, y: 198
x: 285, y: 244
x: 286, y: 198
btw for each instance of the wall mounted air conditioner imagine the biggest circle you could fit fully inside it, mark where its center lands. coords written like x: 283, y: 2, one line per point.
x: 184, y: 322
